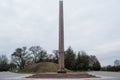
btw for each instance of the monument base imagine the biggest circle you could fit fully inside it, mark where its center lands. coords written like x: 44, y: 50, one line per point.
x: 61, y: 71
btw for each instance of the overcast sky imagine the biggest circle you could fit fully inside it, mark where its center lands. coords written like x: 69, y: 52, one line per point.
x: 90, y: 25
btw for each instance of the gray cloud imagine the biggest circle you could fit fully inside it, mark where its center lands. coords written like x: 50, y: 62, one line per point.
x: 90, y: 25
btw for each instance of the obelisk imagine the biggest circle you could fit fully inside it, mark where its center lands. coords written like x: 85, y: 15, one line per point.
x: 61, y: 38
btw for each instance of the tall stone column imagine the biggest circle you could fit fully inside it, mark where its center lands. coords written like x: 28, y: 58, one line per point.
x: 61, y: 38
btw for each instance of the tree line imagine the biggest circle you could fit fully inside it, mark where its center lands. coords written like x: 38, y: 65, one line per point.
x: 115, y: 68
x: 111, y: 68
x: 24, y: 56
x: 81, y: 61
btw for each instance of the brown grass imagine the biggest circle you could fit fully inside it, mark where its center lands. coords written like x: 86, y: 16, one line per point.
x: 42, y: 67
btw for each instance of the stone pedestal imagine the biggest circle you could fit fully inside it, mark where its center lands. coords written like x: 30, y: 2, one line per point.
x: 62, y: 71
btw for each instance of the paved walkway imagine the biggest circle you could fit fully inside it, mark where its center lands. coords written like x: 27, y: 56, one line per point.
x: 106, y: 75
x: 103, y: 75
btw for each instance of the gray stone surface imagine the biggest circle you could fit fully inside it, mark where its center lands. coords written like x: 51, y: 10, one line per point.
x: 106, y: 75
x: 103, y: 75
x: 12, y: 76
x: 61, y: 38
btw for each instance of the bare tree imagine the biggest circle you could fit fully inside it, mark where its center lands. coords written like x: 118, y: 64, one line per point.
x: 4, y: 63
x: 117, y: 63
x: 55, y: 58
x: 38, y: 53
x: 21, y: 57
